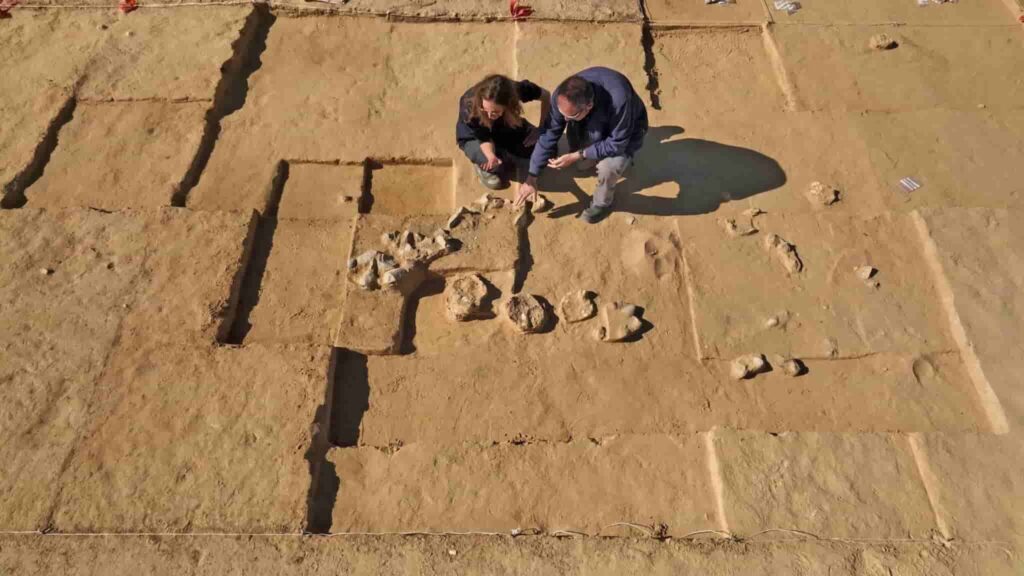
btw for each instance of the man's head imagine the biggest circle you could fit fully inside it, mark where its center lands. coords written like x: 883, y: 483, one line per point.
x: 575, y: 98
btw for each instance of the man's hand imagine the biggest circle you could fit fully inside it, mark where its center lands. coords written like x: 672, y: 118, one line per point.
x: 492, y: 163
x: 565, y: 160
x: 531, y: 137
x: 527, y: 191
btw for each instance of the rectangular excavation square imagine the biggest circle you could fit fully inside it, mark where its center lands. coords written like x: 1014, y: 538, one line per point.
x: 116, y: 156
x: 979, y: 12
x: 170, y: 54
x: 413, y: 116
x: 731, y: 163
x: 486, y: 244
x: 75, y: 283
x: 361, y: 104
x: 698, y: 11
x: 961, y: 158
x: 975, y: 483
x: 744, y: 298
x: 573, y: 385
x: 549, y: 52
x: 715, y: 72
x: 976, y: 259
x: 398, y: 189
x: 585, y: 486
x: 195, y: 263
x: 49, y: 49
x: 303, y: 283
x: 61, y: 309
x: 833, y: 67
x: 875, y: 393
x: 322, y: 191
x: 863, y: 486
x: 45, y: 52
x: 207, y: 439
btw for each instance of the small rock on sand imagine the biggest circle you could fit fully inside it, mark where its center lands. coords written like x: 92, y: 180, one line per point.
x: 735, y: 230
x: 882, y: 42
x: 488, y: 202
x: 822, y: 194
x: 527, y: 313
x: 457, y: 217
x: 793, y: 367
x: 368, y: 279
x: 578, y: 306
x: 866, y: 273
x: 464, y: 297
x: 747, y: 366
x: 619, y: 322
x: 784, y: 252
x: 541, y: 205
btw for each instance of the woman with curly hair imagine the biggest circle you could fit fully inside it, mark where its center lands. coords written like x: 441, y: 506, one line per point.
x: 491, y: 130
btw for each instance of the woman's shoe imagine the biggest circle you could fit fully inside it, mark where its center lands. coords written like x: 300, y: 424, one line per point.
x: 488, y: 179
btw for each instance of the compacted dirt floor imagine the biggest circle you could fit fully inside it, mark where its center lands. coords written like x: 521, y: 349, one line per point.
x: 205, y: 368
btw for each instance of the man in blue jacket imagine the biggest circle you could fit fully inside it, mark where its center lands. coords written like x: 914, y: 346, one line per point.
x: 605, y: 121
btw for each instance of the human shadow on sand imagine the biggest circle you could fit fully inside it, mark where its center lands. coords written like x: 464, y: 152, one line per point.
x: 705, y: 174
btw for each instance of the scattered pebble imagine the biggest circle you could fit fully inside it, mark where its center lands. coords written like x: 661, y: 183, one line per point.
x: 771, y: 322
x: 882, y: 42
x: 457, y: 217
x: 541, y: 205
x: 866, y: 272
x: 822, y: 194
x: 793, y: 367
x: 45, y: 271
x: 619, y: 322
x: 527, y: 313
x: 733, y: 229
x: 348, y: 199
x: 784, y: 252
x: 452, y: 552
x: 464, y: 297
x: 578, y: 306
x: 129, y: 33
x: 747, y: 366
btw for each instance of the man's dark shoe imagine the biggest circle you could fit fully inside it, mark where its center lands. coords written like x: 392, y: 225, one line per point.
x: 593, y: 215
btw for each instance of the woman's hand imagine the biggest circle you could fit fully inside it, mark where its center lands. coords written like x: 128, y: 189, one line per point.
x: 492, y: 164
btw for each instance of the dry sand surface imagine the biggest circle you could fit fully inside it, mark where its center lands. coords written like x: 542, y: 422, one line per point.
x: 247, y: 328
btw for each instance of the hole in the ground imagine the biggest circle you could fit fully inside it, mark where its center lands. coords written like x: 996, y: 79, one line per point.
x: 14, y: 192
x: 350, y: 398
x: 432, y: 286
x: 231, y: 92
x: 409, y: 187
x: 256, y: 267
x: 524, y: 261
x: 318, y: 191
x: 323, y: 478
x: 650, y: 67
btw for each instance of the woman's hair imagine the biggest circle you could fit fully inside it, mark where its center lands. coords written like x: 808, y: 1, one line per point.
x: 500, y: 90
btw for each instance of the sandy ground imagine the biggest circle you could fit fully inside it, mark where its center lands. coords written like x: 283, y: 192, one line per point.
x: 193, y: 382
